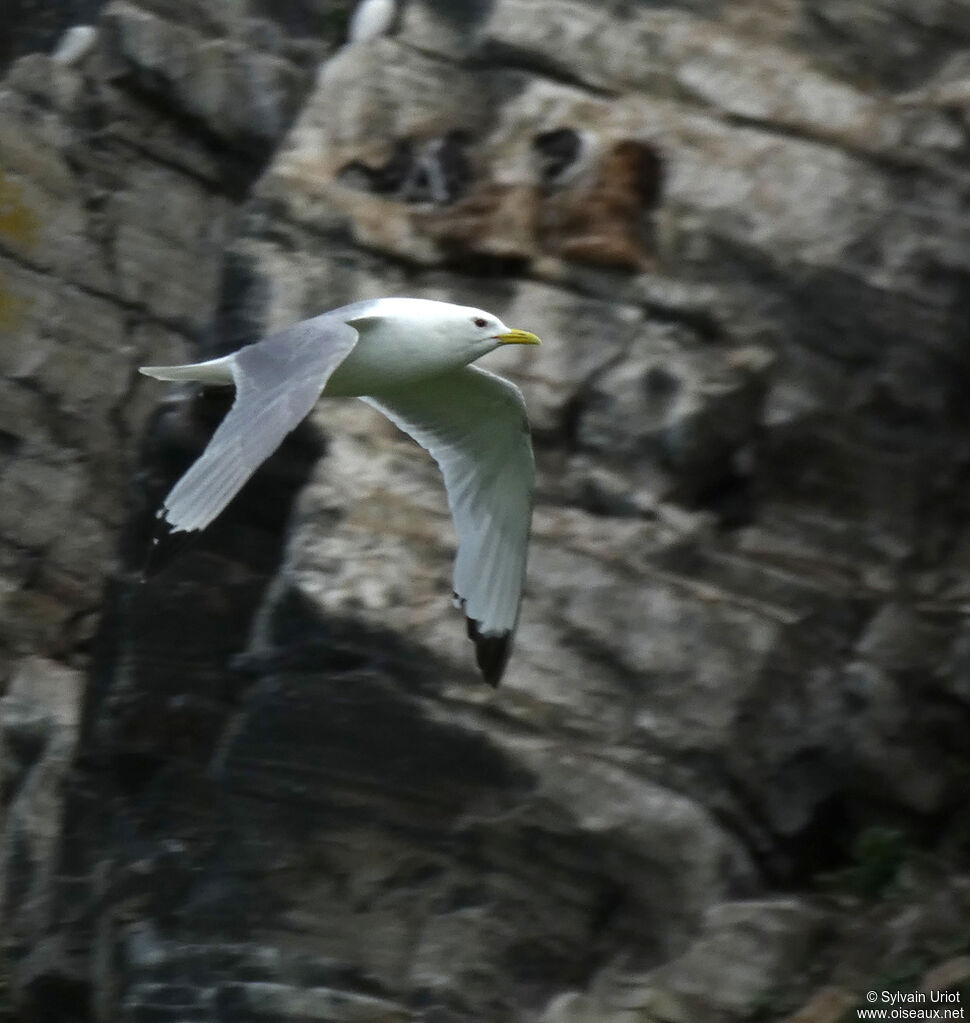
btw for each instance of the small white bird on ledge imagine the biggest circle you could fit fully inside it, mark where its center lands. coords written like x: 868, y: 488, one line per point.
x: 371, y: 19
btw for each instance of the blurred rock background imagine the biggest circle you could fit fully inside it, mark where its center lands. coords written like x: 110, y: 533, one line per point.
x: 726, y: 776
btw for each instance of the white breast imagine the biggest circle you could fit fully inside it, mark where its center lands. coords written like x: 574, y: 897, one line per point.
x: 394, y: 351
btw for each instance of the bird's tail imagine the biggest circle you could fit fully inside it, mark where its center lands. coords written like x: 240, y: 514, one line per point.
x: 215, y: 371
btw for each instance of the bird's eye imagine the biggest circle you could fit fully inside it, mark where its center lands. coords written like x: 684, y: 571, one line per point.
x: 479, y: 322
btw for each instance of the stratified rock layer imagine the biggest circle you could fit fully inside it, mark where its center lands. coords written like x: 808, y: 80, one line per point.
x: 727, y: 766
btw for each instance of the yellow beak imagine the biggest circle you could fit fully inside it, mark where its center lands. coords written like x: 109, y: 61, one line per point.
x: 519, y: 337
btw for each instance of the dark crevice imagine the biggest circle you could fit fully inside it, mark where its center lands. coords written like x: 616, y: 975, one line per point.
x: 211, y: 186
x: 497, y: 57
x: 55, y: 998
x: 731, y: 496
x: 568, y: 429
x: 576, y: 404
x: 480, y: 264
x: 241, y: 161
x: 435, y: 171
x: 10, y: 444
x: 558, y: 150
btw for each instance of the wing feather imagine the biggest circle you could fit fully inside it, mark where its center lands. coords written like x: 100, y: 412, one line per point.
x: 474, y: 425
x: 278, y: 381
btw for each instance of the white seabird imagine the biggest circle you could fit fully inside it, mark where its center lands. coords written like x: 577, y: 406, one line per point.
x: 371, y: 19
x: 410, y: 358
x: 75, y: 44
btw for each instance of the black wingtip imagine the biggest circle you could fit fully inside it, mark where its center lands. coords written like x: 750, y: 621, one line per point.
x: 164, y: 546
x: 491, y: 652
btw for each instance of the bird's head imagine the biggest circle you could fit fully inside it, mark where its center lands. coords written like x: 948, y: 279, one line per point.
x: 438, y: 335
x: 482, y: 332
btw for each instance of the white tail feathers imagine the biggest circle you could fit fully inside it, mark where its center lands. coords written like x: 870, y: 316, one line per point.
x: 215, y: 371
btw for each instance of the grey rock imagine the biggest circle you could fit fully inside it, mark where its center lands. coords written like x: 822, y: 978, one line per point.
x: 744, y: 953
x: 240, y: 94
x: 740, y: 231
x: 885, y: 720
x: 39, y: 719
x: 957, y: 674
x: 693, y: 411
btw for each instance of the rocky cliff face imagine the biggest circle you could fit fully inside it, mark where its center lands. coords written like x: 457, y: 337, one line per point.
x: 726, y: 775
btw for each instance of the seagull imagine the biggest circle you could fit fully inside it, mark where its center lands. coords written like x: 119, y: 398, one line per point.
x: 372, y: 18
x: 75, y: 45
x: 410, y: 358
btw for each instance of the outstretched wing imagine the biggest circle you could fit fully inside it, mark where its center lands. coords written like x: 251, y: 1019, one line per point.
x: 277, y: 380
x: 474, y: 425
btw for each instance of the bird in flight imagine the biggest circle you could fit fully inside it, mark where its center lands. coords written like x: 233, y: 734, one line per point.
x: 410, y: 358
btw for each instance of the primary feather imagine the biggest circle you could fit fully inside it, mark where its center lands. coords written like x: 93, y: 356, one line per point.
x: 474, y: 425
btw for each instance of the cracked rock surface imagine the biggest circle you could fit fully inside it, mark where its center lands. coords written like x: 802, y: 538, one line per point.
x: 725, y: 778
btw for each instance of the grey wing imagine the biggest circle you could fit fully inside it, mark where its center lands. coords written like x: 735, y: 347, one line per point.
x: 277, y: 380
x: 474, y: 425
